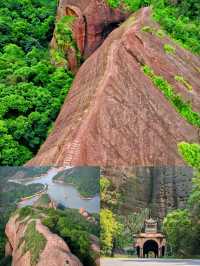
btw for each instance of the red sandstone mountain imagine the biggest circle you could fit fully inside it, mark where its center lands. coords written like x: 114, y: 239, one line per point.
x: 114, y: 115
x: 94, y: 21
x: 56, y: 251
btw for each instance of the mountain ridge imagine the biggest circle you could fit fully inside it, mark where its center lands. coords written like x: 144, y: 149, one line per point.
x: 112, y: 79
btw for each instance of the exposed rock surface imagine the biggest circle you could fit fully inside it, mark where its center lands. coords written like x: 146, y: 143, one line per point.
x: 56, y: 251
x: 94, y: 21
x: 45, y: 201
x: 114, y: 115
x: 159, y: 188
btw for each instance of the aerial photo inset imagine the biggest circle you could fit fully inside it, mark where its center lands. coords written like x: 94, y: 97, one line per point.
x: 49, y: 215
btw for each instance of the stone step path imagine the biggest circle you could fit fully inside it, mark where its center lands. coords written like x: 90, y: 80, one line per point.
x: 73, y: 149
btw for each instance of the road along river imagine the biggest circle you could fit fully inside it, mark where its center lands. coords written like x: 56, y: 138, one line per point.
x: 67, y: 195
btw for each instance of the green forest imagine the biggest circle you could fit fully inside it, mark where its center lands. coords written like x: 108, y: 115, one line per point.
x: 32, y: 90
x: 117, y: 230
x: 10, y: 195
x: 181, y: 226
x: 180, y: 19
x: 76, y: 231
x: 69, y: 224
x: 85, y: 179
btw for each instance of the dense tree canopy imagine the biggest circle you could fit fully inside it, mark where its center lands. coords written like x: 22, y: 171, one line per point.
x: 110, y: 228
x: 75, y: 230
x: 182, y: 227
x: 32, y: 90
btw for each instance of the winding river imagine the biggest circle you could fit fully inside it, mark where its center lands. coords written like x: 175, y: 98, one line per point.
x: 67, y: 195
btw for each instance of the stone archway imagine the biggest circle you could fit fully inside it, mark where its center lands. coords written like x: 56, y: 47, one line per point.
x: 150, y: 246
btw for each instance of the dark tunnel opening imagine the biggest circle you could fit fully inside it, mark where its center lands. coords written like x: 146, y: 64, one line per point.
x: 108, y: 28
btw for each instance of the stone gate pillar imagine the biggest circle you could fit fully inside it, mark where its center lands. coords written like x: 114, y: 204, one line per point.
x: 141, y: 252
x: 159, y: 252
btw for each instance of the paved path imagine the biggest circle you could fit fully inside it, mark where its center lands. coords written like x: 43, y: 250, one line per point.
x: 148, y: 262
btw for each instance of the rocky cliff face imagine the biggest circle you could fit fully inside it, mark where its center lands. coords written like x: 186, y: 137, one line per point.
x: 161, y: 189
x: 56, y: 252
x: 114, y: 114
x: 94, y: 21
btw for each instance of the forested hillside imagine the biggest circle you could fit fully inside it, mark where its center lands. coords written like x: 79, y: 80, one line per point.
x: 85, y: 179
x: 32, y: 90
x: 10, y: 195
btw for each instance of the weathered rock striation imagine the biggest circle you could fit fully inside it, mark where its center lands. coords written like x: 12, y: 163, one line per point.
x: 160, y: 189
x: 114, y: 115
x: 94, y: 21
x: 56, y: 252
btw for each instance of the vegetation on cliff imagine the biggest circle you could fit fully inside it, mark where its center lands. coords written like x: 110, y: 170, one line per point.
x: 190, y: 153
x: 43, y: 201
x: 10, y: 194
x: 65, y: 41
x: 117, y: 230
x: 182, y: 226
x: 32, y: 90
x: 69, y: 224
x: 75, y: 230
x: 176, y: 100
x: 180, y: 19
x: 34, y: 243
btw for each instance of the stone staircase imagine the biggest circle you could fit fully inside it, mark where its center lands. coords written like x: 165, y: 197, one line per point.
x: 72, y: 149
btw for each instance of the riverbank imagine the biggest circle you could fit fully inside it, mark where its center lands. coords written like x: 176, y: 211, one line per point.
x: 36, y: 194
x: 35, y: 178
x: 61, y: 193
x: 62, y: 182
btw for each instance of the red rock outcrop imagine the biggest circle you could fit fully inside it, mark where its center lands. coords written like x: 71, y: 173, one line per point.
x: 114, y: 115
x: 56, y: 251
x: 94, y: 21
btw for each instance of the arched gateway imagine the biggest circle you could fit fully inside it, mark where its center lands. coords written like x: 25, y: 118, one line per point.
x: 150, y: 241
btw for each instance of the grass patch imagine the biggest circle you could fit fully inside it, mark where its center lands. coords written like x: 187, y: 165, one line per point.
x: 157, y: 32
x: 190, y: 153
x: 169, y: 49
x: 24, y: 212
x: 178, y: 22
x: 44, y: 199
x: 114, y: 3
x: 34, y: 242
x: 147, y: 29
x: 160, y: 33
x: 182, y: 107
x: 28, y: 211
x: 75, y: 230
x: 184, y: 82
